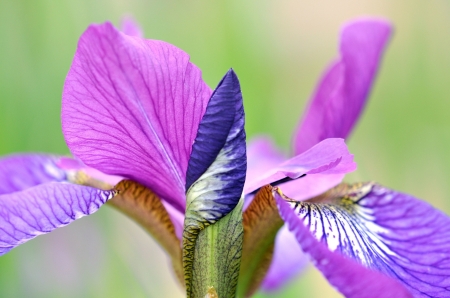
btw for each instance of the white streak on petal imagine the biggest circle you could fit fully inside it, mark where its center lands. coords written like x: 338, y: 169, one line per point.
x: 348, y: 226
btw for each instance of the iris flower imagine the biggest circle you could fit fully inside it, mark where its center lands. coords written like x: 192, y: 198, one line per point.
x: 367, y: 240
x: 332, y: 112
x: 137, y: 111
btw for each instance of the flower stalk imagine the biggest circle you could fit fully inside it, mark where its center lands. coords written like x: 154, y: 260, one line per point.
x: 217, y: 256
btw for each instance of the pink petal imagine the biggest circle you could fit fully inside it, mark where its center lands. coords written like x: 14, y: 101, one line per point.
x: 131, y: 107
x: 70, y: 164
x: 341, y: 94
x: 130, y: 27
x: 311, y: 185
x: 262, y: 156
x: 177, y: 218
x: 330, y: 156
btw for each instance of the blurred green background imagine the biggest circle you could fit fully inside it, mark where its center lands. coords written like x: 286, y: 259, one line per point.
x: 278, y: 49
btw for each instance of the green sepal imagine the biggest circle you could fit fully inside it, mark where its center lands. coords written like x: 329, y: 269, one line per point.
x: 261, y: 222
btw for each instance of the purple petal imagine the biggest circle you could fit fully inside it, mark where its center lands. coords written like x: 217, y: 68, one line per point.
x: 176, y: 217
x: 73, y: 166
x: 19, y: 172
x: 311, y: 185
x: 130, y: 27
x: 342, y: 93
x: 330, y: 156
x: 262, y: 156
x: 131, y: 107
x: 287, y: 262
x: 288, y: 258
x: 224, y: 115
x: 381, y: 230
x: 43, y: 208
x: 218, y: 163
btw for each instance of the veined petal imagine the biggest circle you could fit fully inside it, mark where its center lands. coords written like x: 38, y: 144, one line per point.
x: 21, y: 171
x: 288, y: 258
x: 379, y: 231
x: 342, y: 92
x: 217, y: 168
x: 330, y: 156
x: 43, y: 208
x: 131, y: 107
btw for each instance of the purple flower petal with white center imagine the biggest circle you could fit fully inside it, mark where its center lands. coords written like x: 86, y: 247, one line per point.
x: 365, y: 228
x: 342, y: 93
x: 131, y: 107
x: 40, y: 209
x: 330, y: 156
x: 21, y: 171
